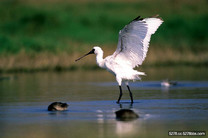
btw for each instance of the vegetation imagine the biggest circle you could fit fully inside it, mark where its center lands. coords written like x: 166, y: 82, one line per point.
x: 42, y: 35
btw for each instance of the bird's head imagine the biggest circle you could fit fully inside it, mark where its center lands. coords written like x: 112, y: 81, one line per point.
x: 95, y: 50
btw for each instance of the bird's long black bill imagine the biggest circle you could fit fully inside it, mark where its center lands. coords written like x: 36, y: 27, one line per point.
x: 91, y: 52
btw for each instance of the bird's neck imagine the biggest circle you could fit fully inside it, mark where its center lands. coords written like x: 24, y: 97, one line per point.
x: 99, y: 59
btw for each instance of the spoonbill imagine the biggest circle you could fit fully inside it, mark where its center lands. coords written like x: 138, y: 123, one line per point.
x: 133, y: 43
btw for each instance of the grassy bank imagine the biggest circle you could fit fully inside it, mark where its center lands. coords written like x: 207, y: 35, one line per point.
x: 46, y: 61
x: 41, y: 35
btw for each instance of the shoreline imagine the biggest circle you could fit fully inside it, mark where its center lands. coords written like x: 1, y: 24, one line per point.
x: 63, y: 61
x: 92, y: 67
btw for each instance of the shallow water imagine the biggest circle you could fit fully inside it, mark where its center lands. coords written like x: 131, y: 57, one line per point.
x: 92, y: 96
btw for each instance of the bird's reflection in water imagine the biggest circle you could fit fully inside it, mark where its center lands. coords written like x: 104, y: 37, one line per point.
x: 129, y: 105
x: 126, y: 124
x: 121, y: 126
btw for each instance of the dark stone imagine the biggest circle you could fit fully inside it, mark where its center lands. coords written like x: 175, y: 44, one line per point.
x: 57, y: 106
x: 126, y: 115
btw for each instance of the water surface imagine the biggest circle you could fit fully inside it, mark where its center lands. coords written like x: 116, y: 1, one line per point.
x: 92, y: 96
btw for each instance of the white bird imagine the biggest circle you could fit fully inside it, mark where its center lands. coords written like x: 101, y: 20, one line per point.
x: 167, y: 83
x: 133, y: 43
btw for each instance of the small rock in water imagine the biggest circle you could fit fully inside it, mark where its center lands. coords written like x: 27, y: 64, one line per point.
x: 126, y: 115
x: 57, y: 106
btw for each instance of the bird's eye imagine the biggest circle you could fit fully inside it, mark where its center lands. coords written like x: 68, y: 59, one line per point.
x: 93, y: 50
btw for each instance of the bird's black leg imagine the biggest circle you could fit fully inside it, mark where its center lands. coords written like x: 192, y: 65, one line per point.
x: 130, y: 93
x: 120, y: 94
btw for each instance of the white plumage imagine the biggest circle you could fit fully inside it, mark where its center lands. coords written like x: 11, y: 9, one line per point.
x: 133, y: 43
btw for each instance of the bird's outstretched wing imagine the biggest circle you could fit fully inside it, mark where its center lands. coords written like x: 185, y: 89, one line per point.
x: 133, y: 41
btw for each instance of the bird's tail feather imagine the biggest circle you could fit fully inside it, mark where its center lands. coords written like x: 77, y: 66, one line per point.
x: 137, y: 75
x: 141, y: 73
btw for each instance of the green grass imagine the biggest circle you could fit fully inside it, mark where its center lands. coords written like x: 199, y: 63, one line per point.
x: 62, y: 26
x: 37, y: 27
